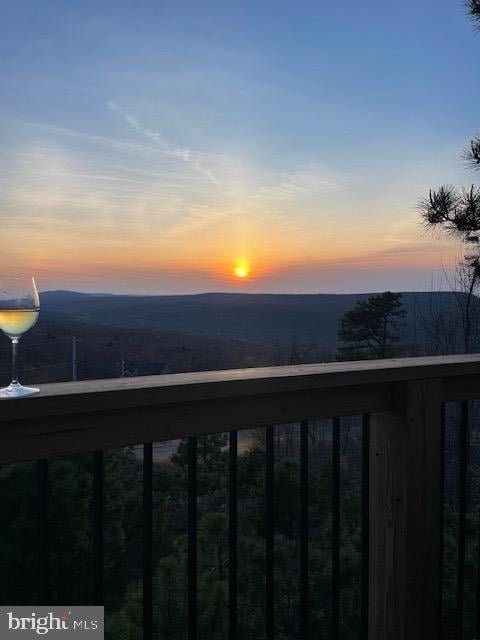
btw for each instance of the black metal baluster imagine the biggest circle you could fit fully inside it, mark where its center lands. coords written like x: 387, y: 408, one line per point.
x: 98, y: 528
x: 147, y: 541
x: 269, y: 534
x: 192, y: 538
x: 43, y: 588
x: 365, y: 525
x: 477, y: 595
x: 336, y: 529
x: 304, y: 533
x: 441, y: 524
x: 232, y: 536
x: 462, y: 514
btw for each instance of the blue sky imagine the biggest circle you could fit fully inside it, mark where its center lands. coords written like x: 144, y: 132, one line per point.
x: 148, y: 146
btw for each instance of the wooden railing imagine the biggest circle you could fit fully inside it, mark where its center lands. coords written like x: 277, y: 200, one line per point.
x: 401, y: 401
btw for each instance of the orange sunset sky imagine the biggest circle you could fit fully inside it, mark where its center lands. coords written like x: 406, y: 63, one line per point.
x: 160, y: 151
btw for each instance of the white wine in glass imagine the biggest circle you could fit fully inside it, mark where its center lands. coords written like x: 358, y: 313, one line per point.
x: 19, y: 309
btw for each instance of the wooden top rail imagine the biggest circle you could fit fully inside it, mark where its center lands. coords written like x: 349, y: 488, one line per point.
x: 99, y: 414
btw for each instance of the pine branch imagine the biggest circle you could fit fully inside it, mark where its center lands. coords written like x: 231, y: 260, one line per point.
x: 469, y: 216
x: 472, y: 155
x: 473, y: 8
x: 456, y: 211
x: 440, y: 207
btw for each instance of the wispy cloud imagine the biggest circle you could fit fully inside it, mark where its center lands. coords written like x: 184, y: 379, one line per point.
x: 197, y: 160
x: 237, y: 188
x: 137, y: 198
x: 196, y: 217
x: 310, y: 181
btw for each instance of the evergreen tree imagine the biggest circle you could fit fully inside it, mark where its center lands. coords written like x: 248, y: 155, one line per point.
x: 372, y: 328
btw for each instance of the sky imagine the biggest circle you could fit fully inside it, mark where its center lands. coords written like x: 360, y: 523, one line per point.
x: 257, y: 146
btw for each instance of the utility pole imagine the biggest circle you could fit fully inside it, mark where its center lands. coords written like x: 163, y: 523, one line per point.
x: 127, y: 373
x: 74, y: 358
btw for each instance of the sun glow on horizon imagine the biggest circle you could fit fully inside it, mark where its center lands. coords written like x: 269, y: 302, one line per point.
x: 241, y: 269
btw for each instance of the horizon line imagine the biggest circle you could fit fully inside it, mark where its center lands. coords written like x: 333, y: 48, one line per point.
x: 243, y: 293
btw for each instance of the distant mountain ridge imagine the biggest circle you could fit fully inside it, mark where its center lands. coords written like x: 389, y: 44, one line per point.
x: 259, y: 317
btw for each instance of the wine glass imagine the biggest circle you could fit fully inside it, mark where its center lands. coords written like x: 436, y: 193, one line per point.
x: 19, y: 309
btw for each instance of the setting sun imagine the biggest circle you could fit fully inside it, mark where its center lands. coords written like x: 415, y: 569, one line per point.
x: 241, y: 269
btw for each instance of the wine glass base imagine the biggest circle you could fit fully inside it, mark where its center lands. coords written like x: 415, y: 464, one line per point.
x: 16, y: 390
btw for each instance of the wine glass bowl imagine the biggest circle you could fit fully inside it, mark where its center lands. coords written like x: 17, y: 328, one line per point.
x: 19, y: 310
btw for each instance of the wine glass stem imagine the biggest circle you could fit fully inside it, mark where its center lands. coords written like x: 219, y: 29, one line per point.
x: 15, y: 360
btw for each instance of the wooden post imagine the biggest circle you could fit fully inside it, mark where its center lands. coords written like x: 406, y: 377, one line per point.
x: 405, y: 453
